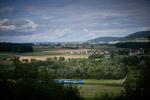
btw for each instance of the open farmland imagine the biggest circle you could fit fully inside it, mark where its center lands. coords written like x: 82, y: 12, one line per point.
x: 44, y: 52
x: 48, y: 52
x: 45, y: 57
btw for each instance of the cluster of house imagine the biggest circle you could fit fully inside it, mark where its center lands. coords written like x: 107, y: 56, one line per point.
x: 98, y: 52
x: 139, y: 51
x: 102, y: 53
x: 88, y: 52
x: 84, y: 51
x: 107, y: 53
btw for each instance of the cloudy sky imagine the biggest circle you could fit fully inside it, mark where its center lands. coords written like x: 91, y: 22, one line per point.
x: 71, y: 20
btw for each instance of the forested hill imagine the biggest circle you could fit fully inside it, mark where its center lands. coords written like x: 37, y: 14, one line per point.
x: 141, y: 36
x: 16, y: 47
x: 103, y: 39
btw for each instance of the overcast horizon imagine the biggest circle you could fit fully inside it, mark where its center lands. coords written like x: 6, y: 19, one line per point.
x: 71, y: 20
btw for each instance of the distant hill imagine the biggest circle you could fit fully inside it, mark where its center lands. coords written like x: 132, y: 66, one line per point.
x: 103, y: 40
x: 141, y: 36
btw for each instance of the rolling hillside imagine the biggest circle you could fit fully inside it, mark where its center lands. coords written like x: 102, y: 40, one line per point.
x: 103, y: 40
x: 141, y: 36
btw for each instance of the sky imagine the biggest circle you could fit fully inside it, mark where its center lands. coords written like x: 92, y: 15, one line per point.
x: 71, y: 20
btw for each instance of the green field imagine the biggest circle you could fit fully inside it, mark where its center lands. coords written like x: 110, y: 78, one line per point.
x: 5, y: 55
x: 92, y: 87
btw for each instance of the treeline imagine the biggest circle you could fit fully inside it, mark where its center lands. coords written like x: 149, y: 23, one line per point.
x: 133, y: 45
x: 16, y: 47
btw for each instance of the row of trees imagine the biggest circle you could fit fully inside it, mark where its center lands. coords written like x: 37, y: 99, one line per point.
x: 16, y: 47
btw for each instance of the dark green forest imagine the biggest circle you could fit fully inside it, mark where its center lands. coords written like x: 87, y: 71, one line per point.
x: 29, y: 82
x: 133, y: 45
x: 16, y: 47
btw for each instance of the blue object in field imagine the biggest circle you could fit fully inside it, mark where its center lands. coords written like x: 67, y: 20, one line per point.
x: 69, y: 81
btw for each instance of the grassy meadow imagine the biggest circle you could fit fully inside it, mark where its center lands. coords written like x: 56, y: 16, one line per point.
x: 93, y: 87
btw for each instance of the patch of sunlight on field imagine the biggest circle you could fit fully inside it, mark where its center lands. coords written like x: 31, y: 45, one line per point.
x: 91, y: 88
x: 52, y: 56
x: 103, y: 81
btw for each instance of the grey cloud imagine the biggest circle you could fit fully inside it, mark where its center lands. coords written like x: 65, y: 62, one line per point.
x: 18, y: 25
x: 60, y: 33
x: 47, y: 17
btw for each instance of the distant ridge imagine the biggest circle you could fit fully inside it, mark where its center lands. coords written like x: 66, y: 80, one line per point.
x: 103, y: 40
x: 141, y: 36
